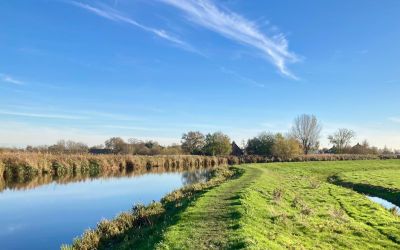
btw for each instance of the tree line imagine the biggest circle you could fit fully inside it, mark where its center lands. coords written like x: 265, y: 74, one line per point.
x: 302, y: 138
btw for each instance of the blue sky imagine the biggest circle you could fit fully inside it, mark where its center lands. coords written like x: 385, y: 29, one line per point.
x: 88, y: 70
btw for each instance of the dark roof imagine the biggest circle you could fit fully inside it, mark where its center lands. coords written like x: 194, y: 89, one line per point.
x: 236, y: 150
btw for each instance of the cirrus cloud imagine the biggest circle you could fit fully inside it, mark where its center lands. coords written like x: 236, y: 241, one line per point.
x: 235, y: 27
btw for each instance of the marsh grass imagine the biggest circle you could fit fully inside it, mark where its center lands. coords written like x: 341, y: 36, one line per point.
x: 19, y: 167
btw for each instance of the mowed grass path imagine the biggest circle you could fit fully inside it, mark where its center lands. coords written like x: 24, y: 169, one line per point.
x: 212, y: 221
x: 287, y: 205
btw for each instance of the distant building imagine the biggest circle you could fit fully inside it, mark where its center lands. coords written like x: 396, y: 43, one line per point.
x: 358, y: 149
x: 236, y: 150
x: 100, y: 151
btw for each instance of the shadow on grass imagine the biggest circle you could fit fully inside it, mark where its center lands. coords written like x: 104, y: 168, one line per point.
x: 147, y: 237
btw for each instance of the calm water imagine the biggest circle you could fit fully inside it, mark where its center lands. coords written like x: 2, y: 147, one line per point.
x: 384, y: 203
x: 46, y: 216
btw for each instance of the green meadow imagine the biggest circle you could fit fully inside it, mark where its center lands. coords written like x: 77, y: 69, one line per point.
x: 277, y: 206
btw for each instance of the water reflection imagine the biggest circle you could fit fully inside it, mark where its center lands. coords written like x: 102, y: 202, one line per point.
x: 46, y: 212
x: 201, y: 175
x: 191, y: 175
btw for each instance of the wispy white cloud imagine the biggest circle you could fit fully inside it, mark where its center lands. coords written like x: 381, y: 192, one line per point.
x: 113, y: 15
x: 239, y: 29
x: 43, y: 115
x: 37, y: 111
x: 9, y: 79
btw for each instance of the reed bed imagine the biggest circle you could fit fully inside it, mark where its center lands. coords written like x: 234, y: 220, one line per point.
x: 24, y: 166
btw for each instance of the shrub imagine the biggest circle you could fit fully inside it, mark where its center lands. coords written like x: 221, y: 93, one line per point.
x: 285, y: 148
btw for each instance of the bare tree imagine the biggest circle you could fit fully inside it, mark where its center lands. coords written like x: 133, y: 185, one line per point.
x: 306, y: 129
x: 341, y: 139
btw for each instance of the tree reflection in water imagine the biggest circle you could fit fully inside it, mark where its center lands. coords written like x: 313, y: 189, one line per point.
x: 192, y: 175
x: 200, y: 175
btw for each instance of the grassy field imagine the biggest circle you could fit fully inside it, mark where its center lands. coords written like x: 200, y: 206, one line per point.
x: 388, y: 178
x: 384, y: 183
x: 282, y: 205
x: 288, y: 205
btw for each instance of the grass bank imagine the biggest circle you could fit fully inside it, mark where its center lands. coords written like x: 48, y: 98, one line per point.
x: 143, y: 227
x: 268, y: 206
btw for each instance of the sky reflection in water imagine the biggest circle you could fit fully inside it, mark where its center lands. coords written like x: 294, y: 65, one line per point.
x: 47, y: 216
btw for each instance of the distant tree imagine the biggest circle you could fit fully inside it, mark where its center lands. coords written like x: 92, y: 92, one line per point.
x: 76, y: 147
x: 366, y: 148
x: 386, y: 151
x: 306, y: 129
x: 193, y: 142
x: 154, y: 147
x: 341, y: 139
x: 261, y: 145
x: 217, y: 144
x: 174, y: 149
x: 115, y: 144
x: 285, y: 148
x: 59, y: 147
x: 68, y: 147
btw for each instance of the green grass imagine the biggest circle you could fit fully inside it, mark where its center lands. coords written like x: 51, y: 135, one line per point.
x: 273, y: 206
x: 384, y: 183
x: 287, y: 205
x: 388, y: 178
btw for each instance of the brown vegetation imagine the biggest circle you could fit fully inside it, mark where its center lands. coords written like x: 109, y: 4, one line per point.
x: 22, y: 166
